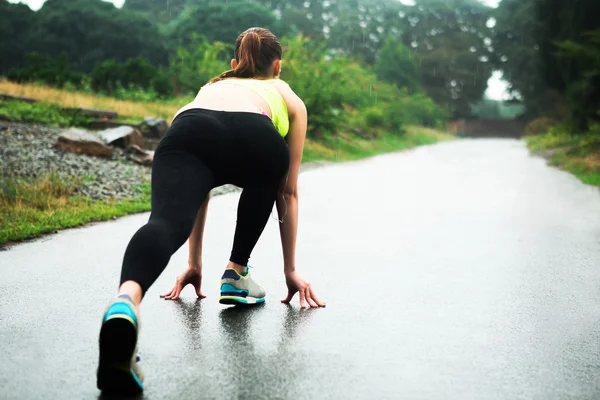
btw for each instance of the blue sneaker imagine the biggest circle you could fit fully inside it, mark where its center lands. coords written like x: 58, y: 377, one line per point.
x: 118, y: 368
x: 239, y: 288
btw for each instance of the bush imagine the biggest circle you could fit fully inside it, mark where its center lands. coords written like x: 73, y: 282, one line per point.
x: 539, y: 126
x: 197, y: 63
x: 56, y: 72
x: 331, y: 86
x: 136, y: 79
x: 374, y: 117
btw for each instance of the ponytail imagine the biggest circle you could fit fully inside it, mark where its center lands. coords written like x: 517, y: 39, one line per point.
x: 252, y: 55
x: 249, y: 55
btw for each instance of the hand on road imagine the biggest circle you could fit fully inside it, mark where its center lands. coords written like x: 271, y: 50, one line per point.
x: 296, y: 283
x: 190, y: 276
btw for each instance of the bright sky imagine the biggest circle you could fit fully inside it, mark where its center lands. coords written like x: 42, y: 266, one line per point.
x: 496, y: 86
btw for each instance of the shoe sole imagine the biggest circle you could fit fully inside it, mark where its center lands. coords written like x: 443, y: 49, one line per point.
x: 236, y: 300
x: 118, y: 338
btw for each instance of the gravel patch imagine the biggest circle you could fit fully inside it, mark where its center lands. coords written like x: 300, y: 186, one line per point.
x: 27, y: 151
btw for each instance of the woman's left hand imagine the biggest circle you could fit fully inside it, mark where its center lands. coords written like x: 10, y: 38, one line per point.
x: 297, y: 284
x: 190, y: 276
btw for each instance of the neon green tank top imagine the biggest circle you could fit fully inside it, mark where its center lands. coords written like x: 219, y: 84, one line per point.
x: 272, y: 97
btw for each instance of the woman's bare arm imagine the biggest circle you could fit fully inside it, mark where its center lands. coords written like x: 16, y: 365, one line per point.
x: 287, y: 202
x: 287, y: 198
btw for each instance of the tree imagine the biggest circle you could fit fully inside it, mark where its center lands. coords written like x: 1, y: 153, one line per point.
x: 395, y: 64
x: 220, y: 22
x: 161, y: 10
x: 17, y: 23
x: 451, y: 43
x: 583, y: 89
x: 93, y: 31
x: 569, y: 68
x: 516, y: 53
x: 549, y: 52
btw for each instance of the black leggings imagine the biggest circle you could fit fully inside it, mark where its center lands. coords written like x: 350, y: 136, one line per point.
x: 201, y: 150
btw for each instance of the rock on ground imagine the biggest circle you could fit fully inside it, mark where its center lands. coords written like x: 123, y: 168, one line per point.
x: 27, y: 150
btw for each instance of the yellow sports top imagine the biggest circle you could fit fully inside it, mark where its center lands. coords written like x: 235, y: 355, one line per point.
x: 279, y: 111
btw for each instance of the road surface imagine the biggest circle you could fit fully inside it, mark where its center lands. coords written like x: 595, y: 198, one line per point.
x: 463, y: 270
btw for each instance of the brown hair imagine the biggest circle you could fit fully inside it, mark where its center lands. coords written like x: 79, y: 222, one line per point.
x: 255, y: 51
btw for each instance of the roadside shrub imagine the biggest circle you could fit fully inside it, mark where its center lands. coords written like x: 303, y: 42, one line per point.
x: 331, y: 85
x: 374, y: 117
x: 136, y: 79
x: 56, y: 72
x: 539, y: 126
x: 197, y: 63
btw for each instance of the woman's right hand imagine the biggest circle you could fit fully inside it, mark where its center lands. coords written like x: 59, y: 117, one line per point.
x: 296, y: 283
x: 190, y: 276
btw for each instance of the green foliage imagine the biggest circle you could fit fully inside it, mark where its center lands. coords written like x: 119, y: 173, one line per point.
x: 419, y: 109
x: 89, y: 32
x: 219, y: 21
x: 395, y: 64
x: 576, y: 153
x: 17, y: 22
x: 47, y: 114
x: 56, y: 72
x: 439, y: 34
x: 330, y: 86
x: 515, y: 41
x: 583, y: 90
x: 337, y: 88
x: 374, y: 117
x: 160, y: 10
x: 448, y: 42
x: 124, y: 80
x: 539, y: 126
x: 325, y: 84
x: 548, y: 50
x: 198, y: 62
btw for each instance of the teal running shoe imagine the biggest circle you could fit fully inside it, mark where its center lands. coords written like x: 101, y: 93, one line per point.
x: 239, y: 288
x: 118, y: 368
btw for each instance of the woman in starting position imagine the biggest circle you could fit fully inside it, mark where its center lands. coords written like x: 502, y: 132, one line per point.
x: 246, y: 127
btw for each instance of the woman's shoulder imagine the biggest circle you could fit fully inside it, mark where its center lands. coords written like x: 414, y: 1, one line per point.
x: 279, y: 83
x: 292, y: 100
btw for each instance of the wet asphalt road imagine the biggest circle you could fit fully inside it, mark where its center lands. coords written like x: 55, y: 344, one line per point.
x: 463, y: 270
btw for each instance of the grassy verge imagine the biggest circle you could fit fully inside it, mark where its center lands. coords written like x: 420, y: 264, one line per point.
x: 347, y: 147
x: 578, y: 154
x: 50, y: 114
x: 132, y: 109
x: 31, y: 208
x: 41, y: 113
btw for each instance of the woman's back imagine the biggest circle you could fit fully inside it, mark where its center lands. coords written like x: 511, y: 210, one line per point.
x: 272, y: 97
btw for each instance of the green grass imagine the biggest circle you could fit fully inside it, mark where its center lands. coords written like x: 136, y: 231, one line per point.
x: 49, y: 114
x: 29, y: 208
x: 347, y: 147
x: 41, y: 113
x: 578, y: 154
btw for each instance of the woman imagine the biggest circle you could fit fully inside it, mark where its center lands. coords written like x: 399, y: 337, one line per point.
x: 246, y: 128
